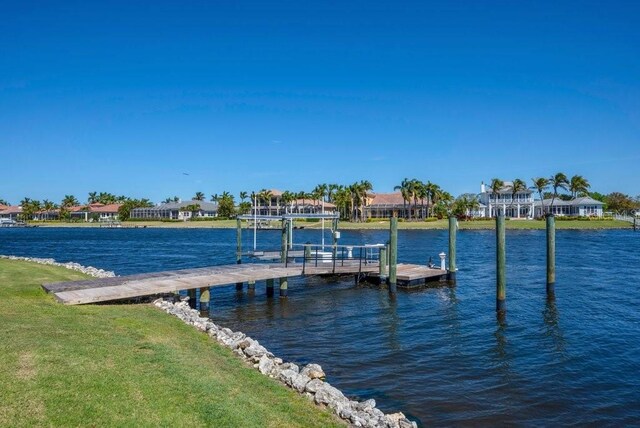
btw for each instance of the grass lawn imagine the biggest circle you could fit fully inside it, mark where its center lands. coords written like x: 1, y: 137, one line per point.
x: 124, y: 365
x: 383, y: 224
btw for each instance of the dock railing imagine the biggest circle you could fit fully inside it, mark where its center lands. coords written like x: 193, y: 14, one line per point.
x: 338, y: 255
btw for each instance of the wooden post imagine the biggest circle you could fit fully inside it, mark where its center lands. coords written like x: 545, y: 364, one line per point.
x: 204, y: 299
x: 192, y: 297
x: 251, y: 285
x: 393, y: 254
x: 551, y: 255
x: 283, y: 258
x: 334, y: 249
x: 238, y: 241
x: 451, y: 275
x: 290, y: 233
x: 270, y: 287
x: 501, y: 278
x: 383, y: 264
x: 238, y: 248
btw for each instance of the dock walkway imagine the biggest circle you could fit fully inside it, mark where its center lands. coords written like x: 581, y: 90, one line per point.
x: 132, y: 286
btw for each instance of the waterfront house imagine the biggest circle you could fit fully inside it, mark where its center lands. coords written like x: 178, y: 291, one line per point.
x: 504, y: 202
x: 176, y: 211
x: 277, y: 207
x: 12, y: 212
x: 578, y: 207
x: 386, y: 205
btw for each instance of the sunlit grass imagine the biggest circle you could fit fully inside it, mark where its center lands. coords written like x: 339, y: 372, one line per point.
x: 124, y: 365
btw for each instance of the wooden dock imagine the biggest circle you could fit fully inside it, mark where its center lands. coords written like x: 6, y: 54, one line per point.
x: 133, y: 286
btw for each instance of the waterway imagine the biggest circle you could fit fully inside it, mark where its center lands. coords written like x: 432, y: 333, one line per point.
x: 439, y: 355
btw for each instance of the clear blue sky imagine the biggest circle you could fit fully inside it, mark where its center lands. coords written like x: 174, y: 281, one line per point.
x: 127, y: 96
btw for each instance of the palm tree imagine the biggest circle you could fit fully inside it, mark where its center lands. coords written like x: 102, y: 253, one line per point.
x: 287, y: 198
x: 495, y: 186
x: 4, y: 202
x: 516, y: 186
x: 48, y: 206
x: 558, y: 181
x: 69, y: 201
x: 540, y: 184
x: 243, y: 195
x: 199, y: 196
x: 364, y: 187
x: 405, y: 191
x: 265, y: 196
x: 578, y: 184
x: 215, y: 197
x: 93, y: 198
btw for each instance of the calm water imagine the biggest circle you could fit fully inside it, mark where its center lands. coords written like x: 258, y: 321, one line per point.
x: 439, y: 355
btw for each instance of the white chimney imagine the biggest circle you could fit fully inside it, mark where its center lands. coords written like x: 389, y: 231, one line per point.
x: 483, y: 189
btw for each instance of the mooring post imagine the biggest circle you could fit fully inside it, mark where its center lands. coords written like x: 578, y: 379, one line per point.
x: 335, y: 237
x: 192, y: 297
x: 453, y: 225
x: 383, y: 264
x: 238, y: 248
x: 634, y: 224
x: 290, y: 233
x: 270, y: 287
x: 393, y: 254
x: 204, y: 299
x: 501, y: 278
x: 551, y: 255
x: 251, y: 285
x: 283, y: 256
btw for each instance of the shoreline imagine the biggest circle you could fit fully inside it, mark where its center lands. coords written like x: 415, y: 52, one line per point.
x: 308, y: 381
x: 372, y: 225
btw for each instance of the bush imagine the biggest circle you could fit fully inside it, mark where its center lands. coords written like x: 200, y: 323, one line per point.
x: 430, y: 219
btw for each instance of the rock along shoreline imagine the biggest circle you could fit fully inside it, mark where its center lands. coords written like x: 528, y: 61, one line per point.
x: 308, y: 380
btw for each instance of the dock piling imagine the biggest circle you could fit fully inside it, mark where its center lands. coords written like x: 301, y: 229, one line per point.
x: 501, y: 279
x: 393, y: 255
x: 204, y: 299
x: 238, y: 248
x: 283, y: 256
x: 383, y: 264
x: 451, y: 275
x: 270, y: 287
x: 551, y: 255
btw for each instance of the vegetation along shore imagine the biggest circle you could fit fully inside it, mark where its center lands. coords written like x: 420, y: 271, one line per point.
x: 123, y: 365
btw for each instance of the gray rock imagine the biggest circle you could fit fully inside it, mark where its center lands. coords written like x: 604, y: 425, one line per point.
x: 314, y: 371
x: 330, y: 396
x: 290, y: 366
x: 287, y: 376
x: 406, y: 423
x: 255, y: 351
x: 314, y: 386
x: 265, y: 365
x: 300, y: 382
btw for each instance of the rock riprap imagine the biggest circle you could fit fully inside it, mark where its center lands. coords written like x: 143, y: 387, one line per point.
x: 89, y: 270
x: 308, y: 380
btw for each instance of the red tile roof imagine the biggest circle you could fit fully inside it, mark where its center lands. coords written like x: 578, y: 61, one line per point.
x: 111, y: 208
x: 13, y: 209
x: 387, y: 199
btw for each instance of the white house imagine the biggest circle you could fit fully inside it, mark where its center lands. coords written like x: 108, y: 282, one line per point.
x: 520, y: 205
x: 176, y: 211
x: 579, y: 207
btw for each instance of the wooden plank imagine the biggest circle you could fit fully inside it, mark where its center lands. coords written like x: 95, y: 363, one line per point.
x: 157, y: 285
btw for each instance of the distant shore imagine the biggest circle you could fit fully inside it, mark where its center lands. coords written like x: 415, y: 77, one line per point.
x: 382, y: 224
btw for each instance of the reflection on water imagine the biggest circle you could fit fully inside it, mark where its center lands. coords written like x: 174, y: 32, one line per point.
x: 439, y: 355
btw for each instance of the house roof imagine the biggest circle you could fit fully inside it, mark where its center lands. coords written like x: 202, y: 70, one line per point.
x: 111, y: 208
x: 586, y: 200
x: 312, y: 203
x: 12, y: 209
x: 387, y: 199
x: 3, y: 207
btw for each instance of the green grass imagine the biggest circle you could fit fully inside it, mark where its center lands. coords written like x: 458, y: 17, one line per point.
x: 382, y: 224
x: 124, y: 365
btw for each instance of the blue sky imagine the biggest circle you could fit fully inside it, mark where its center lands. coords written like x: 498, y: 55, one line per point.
x: 127, y: 96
